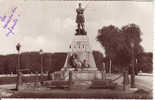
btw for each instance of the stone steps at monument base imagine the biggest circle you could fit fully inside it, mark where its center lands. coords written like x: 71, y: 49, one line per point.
x: 81, y: 84
x: 84, y: 75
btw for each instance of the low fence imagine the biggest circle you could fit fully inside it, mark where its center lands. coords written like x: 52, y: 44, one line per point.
x: 7, y: 79
x: 15, y: 75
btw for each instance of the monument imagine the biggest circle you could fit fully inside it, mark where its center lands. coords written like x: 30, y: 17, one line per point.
x: 80, y: 59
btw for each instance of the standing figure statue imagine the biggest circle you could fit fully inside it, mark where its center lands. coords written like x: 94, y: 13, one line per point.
x: 80, y: 18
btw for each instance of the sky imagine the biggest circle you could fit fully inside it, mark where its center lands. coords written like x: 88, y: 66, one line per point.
x: 50, y: 25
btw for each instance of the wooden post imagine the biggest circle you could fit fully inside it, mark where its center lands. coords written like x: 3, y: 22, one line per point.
x: 95, y: 76
x: 125, y: 80
x: 50, y: 64
x: 49, y: 75
x: 70, y: 79
x: 110, y: 67
x: 103, y: 72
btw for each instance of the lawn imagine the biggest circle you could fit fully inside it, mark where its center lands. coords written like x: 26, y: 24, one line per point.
x: 90, y: 93
x: 66, y: 93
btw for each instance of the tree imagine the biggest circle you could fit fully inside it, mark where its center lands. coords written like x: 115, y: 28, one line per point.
x: 132, y: 38
x: 132, y: 34
x: 108, y: 37
x: 116, y: 43
x: 111, y: 39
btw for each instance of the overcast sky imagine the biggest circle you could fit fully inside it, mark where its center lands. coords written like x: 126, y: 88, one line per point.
x: 50, y: 25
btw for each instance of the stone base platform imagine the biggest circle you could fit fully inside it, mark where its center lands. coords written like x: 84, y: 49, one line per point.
x: 86, y: 74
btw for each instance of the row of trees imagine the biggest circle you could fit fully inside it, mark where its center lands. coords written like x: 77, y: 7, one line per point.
x: 55, y: 61
x: 32, y: 60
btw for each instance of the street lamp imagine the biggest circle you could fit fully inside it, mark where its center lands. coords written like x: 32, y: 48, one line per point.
x: 41, y: 63
x: 18, y: 46
x: 132, y: 67
x: 18, y: 50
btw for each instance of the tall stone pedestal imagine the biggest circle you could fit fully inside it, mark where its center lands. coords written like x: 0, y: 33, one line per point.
x: 80, y: 60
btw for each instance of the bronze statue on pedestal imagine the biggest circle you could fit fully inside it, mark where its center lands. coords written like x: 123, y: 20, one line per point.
x: 80, y: 21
